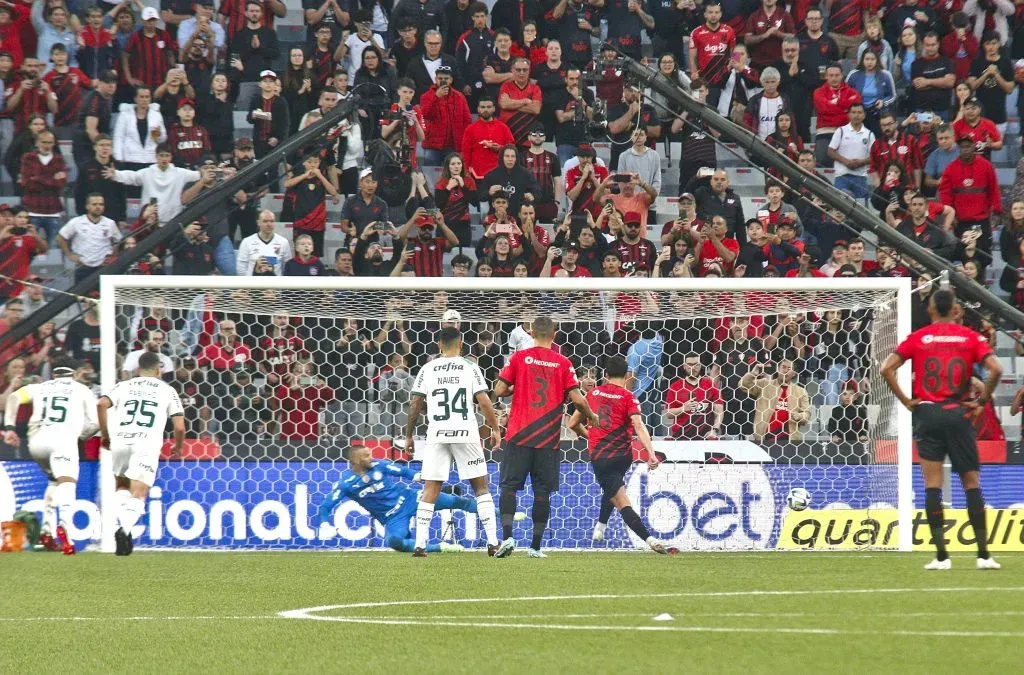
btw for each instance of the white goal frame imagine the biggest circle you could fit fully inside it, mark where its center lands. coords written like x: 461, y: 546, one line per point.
x: 109, y: 284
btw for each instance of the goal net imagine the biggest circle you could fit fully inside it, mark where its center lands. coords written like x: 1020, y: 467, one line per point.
x: 750, y: 391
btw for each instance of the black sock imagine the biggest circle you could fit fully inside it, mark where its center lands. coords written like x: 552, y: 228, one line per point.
x: 541, y: 513
x: 633, y: 522
x: 606, y: 512
x: 507, y: 508
x: 976, y: 514
x: 933, y: 508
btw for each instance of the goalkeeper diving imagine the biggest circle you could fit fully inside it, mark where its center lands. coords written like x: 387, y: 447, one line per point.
x: 375, y: 485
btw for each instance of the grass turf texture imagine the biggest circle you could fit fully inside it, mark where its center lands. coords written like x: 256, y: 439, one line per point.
x: 219, y: 612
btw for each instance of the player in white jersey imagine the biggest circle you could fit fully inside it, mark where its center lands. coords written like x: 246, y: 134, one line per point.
x: 446, y: 387
x: 63, y: 411
x: 132, y: 419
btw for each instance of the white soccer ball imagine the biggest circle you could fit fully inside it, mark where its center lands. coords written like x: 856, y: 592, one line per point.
x: 798, y: 499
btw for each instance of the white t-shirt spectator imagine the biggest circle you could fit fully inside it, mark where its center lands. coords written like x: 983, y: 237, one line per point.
x: 92, y: 242
x: 252, y: 248
x: 356, y: 47
x: 519, y: 340
x: 852, y: 144
x: 131, y: 363
x: 165, y: 186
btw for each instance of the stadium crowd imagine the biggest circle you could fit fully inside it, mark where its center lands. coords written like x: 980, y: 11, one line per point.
x: 900, y: 103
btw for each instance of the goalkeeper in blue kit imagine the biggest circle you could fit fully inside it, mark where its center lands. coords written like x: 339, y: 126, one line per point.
x: 374, y: 484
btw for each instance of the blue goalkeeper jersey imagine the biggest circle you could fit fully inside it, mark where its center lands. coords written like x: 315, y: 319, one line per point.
x: 378, y: 490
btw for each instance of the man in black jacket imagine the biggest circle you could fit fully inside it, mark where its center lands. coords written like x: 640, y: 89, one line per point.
x: 798, y: 80
x: 718, y: 199
x: 254, y: 49
x: 929, y: 234
x: 369, y: 258
x: 268, y: 114
x: 423, y: 68
x: 90, y: 180
x: 428, y: 15
x: 94, y: 118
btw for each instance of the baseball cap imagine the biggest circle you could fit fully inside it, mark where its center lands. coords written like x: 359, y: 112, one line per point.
x: 150, y: 13
x: 186, y: 101
x: 585, y: 150
x: 632, y: 217
x: 243, y: 143
x: 268, y: 73
x: 972, y: 101
x: 451, y: 315
x: 365, y: 172
x: 572, y: 246
x: 687, y: 196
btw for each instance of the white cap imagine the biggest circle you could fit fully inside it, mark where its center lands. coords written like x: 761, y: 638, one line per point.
x: 150, y: 13
x: 451, y: 316
x: 268, y: 73
x: 365, y: 172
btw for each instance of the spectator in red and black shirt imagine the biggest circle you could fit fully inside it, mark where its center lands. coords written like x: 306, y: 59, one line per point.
x: 228, y: 353
x: 19, y: 243
x: 43, y: 177
x: 520, y: 101
x: 632, y: 247
x: 13, y: 18
x: 29, y: 95
x: 454, y: 193
x: 96, y: 52
x: 545, y: 168
x: 94, y: 117
x: 766, y: 28
x: 895, y: 146
x: 233, y: 13
x: 67, y: 84
x: 323, y: 58
x: 308, y: 189
x: 582, y: 180
x: 189, y: 141
x: 150, y: 53
x: 428, y: 249
x: 268, y: 113
x: 710, y: 47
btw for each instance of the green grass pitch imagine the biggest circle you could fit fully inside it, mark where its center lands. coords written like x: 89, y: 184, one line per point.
x: 384, y: 612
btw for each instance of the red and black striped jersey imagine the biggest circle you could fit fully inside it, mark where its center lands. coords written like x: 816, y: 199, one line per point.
x: 847, y: 17
x: 323, y: 66
x: 612, y: 436
x: 428, y: 257
x: 454, y: 203
x: 277, y: 354
x: 68, y: 87
x: 519, y: 122
x: 541, y: 379
x: 310, y: 210
x: 33, y: 101
x: 150, y: 56
x: 188, y: 144
x: 544, y: 168
x: 714, y: 49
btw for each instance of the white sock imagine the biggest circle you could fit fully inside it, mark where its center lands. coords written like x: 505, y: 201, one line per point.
x: 50, y: 508
x: 121, y: 497
x: 485, y: 513
x: 424, y: 514
x: 64, y: 500
x: 131, y: 511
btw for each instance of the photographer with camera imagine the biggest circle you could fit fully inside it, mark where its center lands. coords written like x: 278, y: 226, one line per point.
x: 573, y: 109
x: 363, y: 209
x: 397, y: 181
x: 426, y: 251
x: 368, y: 258
x: 193, y: 252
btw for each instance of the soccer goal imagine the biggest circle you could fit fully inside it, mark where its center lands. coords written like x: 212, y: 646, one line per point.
x: 763, y: 396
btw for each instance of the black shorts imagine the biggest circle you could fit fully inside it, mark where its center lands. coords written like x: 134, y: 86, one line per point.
x: 611, y: 474
x: 542, y: 465
x: 941, y: 430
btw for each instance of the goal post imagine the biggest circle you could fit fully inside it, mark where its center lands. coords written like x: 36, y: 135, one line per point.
x: 279, y: 374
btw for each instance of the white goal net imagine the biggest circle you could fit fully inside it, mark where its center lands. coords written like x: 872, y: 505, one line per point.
x: 749, y: 393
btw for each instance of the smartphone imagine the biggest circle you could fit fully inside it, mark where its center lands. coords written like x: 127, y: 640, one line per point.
x: 504, y: 228
x: 622, y: 178
x: 152, y: 201
x: 270, y: 260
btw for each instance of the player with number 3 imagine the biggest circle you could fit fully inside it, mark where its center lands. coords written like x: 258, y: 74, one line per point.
x: 539, y: 379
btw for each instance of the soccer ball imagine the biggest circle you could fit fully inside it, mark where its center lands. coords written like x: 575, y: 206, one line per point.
x: 798, y: 499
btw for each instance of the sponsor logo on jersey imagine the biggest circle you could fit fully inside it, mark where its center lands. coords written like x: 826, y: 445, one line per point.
x: 530, y: 361
x: 948, y: 339
x: 453, y: 433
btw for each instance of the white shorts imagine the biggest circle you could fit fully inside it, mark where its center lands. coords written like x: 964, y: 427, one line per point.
x: 438, y: 457
x: 59, y: 456
x: 136, y: 462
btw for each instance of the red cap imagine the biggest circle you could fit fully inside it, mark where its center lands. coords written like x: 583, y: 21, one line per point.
x: 186, y: 101
x: 632, y: 217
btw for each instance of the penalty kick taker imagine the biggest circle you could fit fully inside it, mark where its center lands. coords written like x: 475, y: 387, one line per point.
x: 374, y: 484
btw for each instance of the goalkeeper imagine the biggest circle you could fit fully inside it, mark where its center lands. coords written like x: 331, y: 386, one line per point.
x: 374, y: 484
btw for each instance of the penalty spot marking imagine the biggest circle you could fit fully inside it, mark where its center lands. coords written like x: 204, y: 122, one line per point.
x: 317, y: 613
